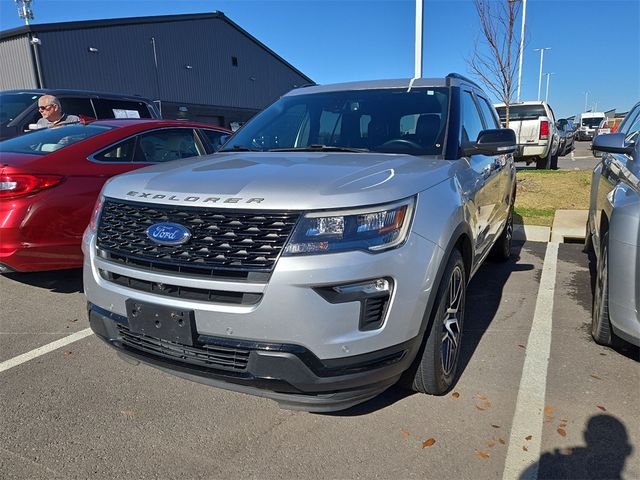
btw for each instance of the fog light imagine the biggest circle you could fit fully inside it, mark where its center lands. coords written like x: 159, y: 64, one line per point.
x: 373, y: 296
x: 372, y: 287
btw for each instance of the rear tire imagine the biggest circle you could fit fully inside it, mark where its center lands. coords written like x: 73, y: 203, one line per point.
x: 600, y: 322
x: 502, y: 248
x: 542, y: 163
x: 437, y: 364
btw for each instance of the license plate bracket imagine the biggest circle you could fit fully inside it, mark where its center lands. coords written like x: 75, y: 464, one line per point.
x: 164, y: 323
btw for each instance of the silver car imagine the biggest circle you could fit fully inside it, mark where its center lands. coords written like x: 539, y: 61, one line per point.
x: 613, y: 232
x: 321, y: 255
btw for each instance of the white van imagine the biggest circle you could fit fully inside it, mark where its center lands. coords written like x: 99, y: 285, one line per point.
x: 588, y: 122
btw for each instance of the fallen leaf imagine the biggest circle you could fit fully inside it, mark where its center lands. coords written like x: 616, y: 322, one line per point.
x: 481, y: 454
x: 601, y: 408
x: 491, y: 443
x: 67, y: 353
x: 501, y: 440
x: 495, y: 426
x: 479, y: 396
x: 455, y: 395
x: 564, y: 421
x: 563, y: 425
x: 484, y: 405
x: 548, y: 419
x: 524, y: 447
x: 404, y: 433
x: 596, y: 377
x: 528, y: 437
x: 548, y: 409
x: 521, y: 345
x: 428, y: 442
x: 128, y: 413
x: 562, y: 432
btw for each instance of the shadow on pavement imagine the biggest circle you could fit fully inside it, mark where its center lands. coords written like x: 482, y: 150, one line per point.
x: 484, y: 296
x: 607, y: 448
x: 57, y: 281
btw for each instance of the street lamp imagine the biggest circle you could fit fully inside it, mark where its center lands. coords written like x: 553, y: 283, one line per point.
x: 524, y: 15
x: 546, y: 98
x: 418, y: 50
x: 541, y: 50
x: 586, y: 96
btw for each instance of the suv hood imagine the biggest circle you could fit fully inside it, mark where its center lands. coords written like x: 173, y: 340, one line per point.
x: 282, y: 180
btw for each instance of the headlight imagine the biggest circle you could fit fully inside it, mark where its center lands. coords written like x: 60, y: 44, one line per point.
x: 370, y: 229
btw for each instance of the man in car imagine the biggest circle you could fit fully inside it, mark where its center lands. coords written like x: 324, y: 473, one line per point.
x: 52, y: 114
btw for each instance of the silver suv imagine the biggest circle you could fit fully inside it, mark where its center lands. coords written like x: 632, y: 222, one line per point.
x: 613, y: 233
x: 322, y: 255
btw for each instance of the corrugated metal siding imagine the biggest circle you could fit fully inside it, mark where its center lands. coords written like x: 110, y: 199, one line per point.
x: 16, y: 67
x: 124, y: 63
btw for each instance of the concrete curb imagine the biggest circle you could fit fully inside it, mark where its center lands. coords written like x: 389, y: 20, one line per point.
x: 568, y: 225
x: 532, y: 233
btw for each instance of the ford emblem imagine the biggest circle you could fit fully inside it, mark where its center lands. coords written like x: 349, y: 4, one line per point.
x: 168, y: 233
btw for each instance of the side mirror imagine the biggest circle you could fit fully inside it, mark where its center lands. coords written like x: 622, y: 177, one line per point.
x: 493, y: 142
x: 612, y: 143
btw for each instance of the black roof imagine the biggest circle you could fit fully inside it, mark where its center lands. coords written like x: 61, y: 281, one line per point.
x: 53, y: 27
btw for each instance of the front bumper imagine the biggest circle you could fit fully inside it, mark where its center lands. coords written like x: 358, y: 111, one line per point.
x: 313, y: 342
x: 287, y: 373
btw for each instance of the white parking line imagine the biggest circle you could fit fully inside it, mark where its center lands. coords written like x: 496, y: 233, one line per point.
x: 528, y: 416
x: 25, y: 357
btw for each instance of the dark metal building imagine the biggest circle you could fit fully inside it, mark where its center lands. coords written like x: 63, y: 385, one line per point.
x: 199, y: 67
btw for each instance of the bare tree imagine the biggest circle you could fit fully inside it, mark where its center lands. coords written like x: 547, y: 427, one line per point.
x: 495, y: 56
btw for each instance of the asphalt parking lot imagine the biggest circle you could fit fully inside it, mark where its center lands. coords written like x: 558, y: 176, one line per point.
x: 580, y: 159
x: 537, y: 398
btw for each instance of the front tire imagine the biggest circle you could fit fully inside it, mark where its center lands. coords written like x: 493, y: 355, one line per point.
x: 600, y: 322
x: 437, y: 367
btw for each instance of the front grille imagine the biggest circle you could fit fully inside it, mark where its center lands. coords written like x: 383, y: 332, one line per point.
x: 208, y: 356
x: 224, y: 243
x: 178, y: 291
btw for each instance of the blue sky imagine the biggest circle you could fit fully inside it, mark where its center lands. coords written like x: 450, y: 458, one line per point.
x: 595, y: 43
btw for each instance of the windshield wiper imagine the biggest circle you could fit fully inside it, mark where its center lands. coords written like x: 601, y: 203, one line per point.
x: 241, y: 148
x: 320, y: 148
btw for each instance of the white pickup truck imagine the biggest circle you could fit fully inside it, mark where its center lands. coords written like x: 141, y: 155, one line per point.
x: 536, y: 131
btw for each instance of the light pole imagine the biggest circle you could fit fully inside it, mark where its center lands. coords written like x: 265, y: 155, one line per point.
x: 524, y: 15
x: 418, y: 50
x: 541, y: 50
x: 24, y: 10
x: 546, y: 98
x: 586, y: 97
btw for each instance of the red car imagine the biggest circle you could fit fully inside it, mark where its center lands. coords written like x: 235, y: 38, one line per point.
x: 50, y: 179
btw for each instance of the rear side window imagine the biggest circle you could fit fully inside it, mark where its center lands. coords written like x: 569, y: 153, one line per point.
x: 487, y: 112
x: 471, y: 123
x: 122, y: 152
x: 107, y: 108
x: 77, y: 106
x: 166, y: 145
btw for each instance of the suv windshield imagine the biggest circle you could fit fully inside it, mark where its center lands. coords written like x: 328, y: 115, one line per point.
x: 13, y: 104
x: 591, y: 122
x: 522, y: 112
x: 385, y: 120
x: 47, y: 140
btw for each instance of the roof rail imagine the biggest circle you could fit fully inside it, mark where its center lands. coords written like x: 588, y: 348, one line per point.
x: 462, y: 77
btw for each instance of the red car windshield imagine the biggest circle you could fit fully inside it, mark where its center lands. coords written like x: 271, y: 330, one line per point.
x: 47, y: 140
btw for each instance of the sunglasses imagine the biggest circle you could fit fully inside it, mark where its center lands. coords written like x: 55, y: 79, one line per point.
x: 45, y: 107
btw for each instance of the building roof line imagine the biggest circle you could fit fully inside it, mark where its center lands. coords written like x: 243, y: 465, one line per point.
x: 84, y: 24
